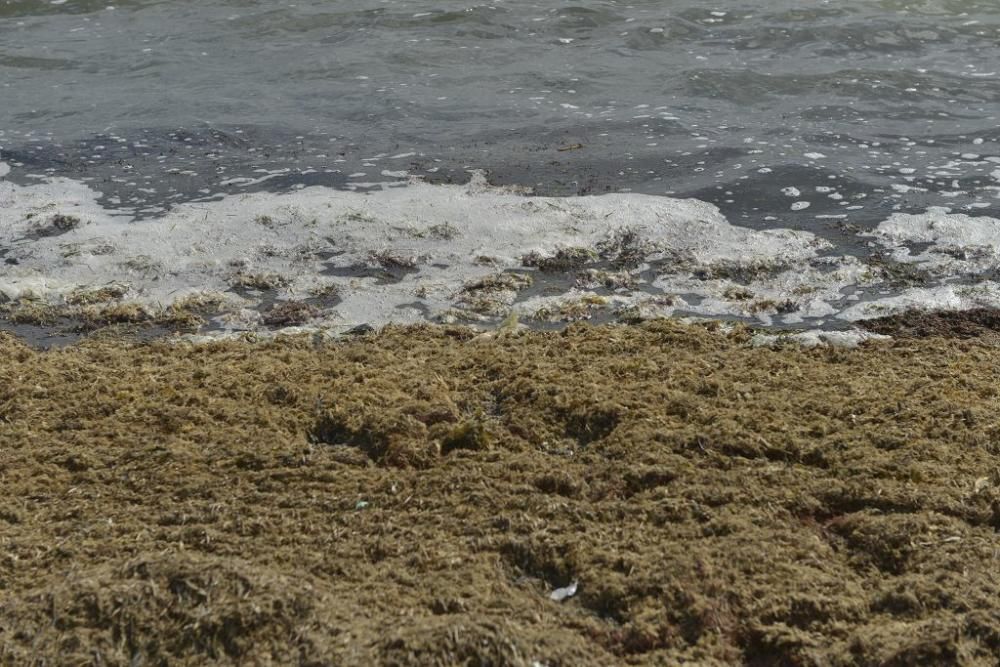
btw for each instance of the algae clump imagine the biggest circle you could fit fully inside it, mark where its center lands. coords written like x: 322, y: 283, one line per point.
x: 716, y: 503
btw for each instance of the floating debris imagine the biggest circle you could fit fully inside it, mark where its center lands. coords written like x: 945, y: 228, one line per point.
x: 564, y: 259
x: 289, y: 313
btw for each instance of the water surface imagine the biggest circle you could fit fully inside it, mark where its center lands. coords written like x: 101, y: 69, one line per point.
x: 819, y: 116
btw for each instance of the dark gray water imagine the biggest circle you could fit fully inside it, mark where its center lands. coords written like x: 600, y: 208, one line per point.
x: 894, y: 102
x: 822, y: 117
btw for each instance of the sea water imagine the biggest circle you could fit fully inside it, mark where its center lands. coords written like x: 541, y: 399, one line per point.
x: 791, y: 164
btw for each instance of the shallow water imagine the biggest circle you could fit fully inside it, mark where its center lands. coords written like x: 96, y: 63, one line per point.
x: 825, y: 118
x: 674, y: 97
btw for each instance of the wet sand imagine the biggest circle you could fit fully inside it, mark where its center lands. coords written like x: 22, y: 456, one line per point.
x: 414, y: 496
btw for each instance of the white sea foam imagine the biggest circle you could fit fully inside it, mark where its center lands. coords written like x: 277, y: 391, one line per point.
x: 953, y: 248
x: 942, y: 297
x: 314, y: 239
x: 817, y: 338
x: 793, y: 294
x: 940, y: 226
x: 956, y: 243
x: 414, y: 252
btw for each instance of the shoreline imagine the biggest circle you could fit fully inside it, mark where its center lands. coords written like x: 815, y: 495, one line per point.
x: 476, y: 254
x: 417, y: 494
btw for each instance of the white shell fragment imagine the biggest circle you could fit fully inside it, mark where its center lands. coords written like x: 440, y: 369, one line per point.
x: 561, y: 594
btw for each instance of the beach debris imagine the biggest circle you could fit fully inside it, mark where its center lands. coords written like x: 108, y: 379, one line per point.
x: 594, y: 278
x: 625, y: 249
x: 648, y: 309
x: 460, y: 315
x: 444, y: 231
x: 30, y: 311
x: 499, y: 282
x: 261, y: 281
x: 390, y: 259
x: 470, y: 435
x: 361, y: 504
x: 817, y: 338
x: 898, y: 273
x: 564, y: 259
x: 737, y: 293
x: 289, y: 313
x: 571, y: 147
x: 189, y: 311
x: 981, y: 484
x: 82, y: 296
x: 573, y: 309
x: 360, y: 330
x: 510, y: 323
x: 743, y: 271
x: 58, y: 224
x: 97, y: 316
x: 921, y: 323
x: 946, y: 540
x: 493, y: 294
x: 328, y: 291
x: 561, y: 594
